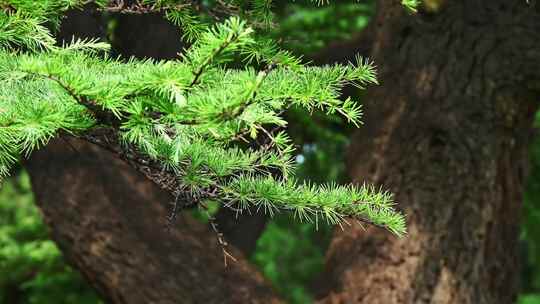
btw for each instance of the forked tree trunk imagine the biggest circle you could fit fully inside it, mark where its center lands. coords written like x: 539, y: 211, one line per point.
x: 447, y: 132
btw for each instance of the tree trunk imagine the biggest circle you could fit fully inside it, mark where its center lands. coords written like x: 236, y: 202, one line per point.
x: 447, y: 132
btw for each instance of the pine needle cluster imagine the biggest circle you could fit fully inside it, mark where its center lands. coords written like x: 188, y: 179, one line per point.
x: 195, y: 126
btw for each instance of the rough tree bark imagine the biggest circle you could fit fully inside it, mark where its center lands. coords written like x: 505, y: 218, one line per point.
x: 109, y: 222
x: 447, y: 132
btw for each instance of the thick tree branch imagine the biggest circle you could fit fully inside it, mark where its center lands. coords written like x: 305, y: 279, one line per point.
x: 242, y: 230
x: 109, y: 221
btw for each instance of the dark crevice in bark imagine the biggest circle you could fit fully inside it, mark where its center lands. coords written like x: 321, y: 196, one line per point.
x: 81, y: 24
x: 146, y: 36
x: 242, y: 230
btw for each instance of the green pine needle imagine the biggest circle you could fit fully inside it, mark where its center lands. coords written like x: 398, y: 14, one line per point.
x: 192, y: 115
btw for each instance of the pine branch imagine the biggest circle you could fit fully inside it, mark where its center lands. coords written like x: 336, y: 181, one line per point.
x: 177, y: 121
x: 234, y: 32
x: 234, y: 111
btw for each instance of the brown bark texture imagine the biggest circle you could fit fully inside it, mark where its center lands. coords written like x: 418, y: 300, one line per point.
x: 109, y: 222
x: 446, y: 131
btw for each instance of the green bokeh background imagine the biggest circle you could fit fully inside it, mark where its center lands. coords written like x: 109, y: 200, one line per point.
x: 289, y: 253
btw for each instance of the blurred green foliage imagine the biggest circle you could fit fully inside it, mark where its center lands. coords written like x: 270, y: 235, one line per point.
x: 32, y: 269
x: 306, y: 29
x: 529, y: 299
x: 530, y: 229
x: 291, y: 255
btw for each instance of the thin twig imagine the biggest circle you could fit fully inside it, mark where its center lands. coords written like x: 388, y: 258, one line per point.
x: 174, y: 213
x: 198, y: 73
x: 220, y: 238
